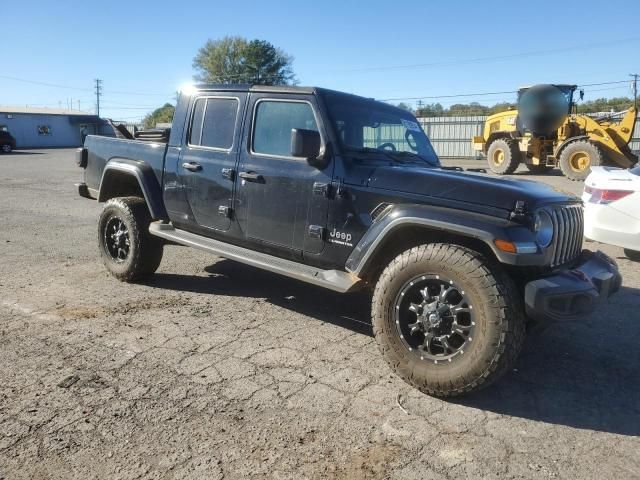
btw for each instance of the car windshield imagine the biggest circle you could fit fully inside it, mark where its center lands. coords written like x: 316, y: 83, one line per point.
x: 368, y: 126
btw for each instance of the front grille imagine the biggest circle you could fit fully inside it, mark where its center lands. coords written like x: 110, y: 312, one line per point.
x: 568, y: 225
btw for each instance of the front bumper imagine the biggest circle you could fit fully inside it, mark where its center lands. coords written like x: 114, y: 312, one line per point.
x: 573, y: 293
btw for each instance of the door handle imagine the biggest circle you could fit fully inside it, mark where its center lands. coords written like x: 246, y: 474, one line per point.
x: 192, y: 166
x: 251, y: 176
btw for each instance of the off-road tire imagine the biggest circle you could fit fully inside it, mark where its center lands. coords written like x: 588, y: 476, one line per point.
x: 570, y: 166
x: 632, y: 255
x: 500, y: 321
x: 145, y: 250
x: 510, y: 152
x: 539, y: 169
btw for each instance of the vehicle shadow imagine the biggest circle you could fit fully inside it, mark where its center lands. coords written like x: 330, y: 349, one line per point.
x: 351, y: 310
x: 23, y: 152
x: 580, y: 374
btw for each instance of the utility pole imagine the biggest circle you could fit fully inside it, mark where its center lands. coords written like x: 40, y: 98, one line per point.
x: 635, y: 88
x: 98, y: 94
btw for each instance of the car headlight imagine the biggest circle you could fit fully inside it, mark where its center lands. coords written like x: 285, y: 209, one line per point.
x: 543, y: 228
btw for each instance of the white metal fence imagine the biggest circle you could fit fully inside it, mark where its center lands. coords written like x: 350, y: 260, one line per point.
x: 451, y: 136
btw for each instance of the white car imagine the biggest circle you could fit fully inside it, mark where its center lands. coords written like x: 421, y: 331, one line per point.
x: 612, y: 208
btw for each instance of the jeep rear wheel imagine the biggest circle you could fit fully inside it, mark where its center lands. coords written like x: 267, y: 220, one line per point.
x: 6, y: 148
x: 128, y: 250
x: 446, y: 321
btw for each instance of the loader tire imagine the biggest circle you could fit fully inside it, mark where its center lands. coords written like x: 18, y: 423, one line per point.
x: 437, y: 291
x: 577, y: 158
x: 503, y: 156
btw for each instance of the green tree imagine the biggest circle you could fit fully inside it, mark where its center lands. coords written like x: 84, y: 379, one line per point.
x: 405, y: 106
x: 164, y: 114
x: 238, y: 60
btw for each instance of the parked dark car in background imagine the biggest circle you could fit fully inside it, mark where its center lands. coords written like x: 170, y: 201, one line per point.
x: 7, y: 142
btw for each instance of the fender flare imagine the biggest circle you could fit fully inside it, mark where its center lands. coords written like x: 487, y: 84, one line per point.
x: 566, y: 142
x: 144, y: 175
x: 443, y: 219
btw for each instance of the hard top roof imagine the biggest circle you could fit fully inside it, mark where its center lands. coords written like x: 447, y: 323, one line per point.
x: 271, y: 89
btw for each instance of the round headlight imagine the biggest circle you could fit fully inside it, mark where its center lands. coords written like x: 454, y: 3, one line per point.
x: 543, y: 228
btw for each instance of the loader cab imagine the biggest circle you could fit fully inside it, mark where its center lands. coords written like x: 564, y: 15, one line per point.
x: 542, y: 109
x: 566, y: 90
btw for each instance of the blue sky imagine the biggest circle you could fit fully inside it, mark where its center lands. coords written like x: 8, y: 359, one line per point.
x: 143, y: 50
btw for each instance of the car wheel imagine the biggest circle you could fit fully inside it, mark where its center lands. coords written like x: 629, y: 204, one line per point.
x: 632, y: 255
x: 446, y: 321
x: 128, y: 250
x: 6, y: 148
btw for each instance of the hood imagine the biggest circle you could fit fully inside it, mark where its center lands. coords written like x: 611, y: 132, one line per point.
x: 467, y: 187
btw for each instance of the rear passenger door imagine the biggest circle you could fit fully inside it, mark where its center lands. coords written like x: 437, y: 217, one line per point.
x: 208, y: 159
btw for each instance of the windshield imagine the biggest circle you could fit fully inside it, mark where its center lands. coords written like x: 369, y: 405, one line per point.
x: 369, y: 126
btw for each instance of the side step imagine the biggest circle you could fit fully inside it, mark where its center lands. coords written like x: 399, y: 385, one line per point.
x: 332, y: 279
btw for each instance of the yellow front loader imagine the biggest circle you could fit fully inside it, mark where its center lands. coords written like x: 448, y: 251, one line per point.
x: 544, y: 132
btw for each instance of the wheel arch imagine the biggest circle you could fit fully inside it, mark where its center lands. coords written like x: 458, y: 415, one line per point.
x: 410, y: 225
x: 561, y: 146
x: 496, y: 136
x: 124, y: 177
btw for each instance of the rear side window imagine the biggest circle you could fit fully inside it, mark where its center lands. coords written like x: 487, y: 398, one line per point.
x: 273, y: 124
x: 214, y: 121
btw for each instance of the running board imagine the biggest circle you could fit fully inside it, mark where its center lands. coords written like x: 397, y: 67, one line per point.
x: 332, y: 279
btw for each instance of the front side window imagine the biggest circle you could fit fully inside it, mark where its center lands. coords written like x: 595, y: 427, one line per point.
x: 213, y: 123
x: 273, y: 124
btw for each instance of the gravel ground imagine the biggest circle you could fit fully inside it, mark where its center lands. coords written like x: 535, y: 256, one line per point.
x: 217, y: 370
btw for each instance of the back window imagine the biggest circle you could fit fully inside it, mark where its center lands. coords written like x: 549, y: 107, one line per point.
x: 214, y: 121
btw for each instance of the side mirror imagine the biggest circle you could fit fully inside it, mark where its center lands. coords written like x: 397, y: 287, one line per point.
x: 306, y: 144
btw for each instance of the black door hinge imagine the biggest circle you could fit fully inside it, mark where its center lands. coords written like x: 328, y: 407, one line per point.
x: 224, y: 211
x: 321, y: 189
x: 229, y: 173
x: 316, y: 231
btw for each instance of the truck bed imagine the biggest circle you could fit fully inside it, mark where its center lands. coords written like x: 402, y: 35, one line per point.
x: 103, y: 149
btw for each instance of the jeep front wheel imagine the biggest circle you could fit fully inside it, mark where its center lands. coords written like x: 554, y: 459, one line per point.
x: 128, y: 250
x: 446, y: 321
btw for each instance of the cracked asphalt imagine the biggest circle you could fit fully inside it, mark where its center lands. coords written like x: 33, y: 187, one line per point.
x: 217, y: 370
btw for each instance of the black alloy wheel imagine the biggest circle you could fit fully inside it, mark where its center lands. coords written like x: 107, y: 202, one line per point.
x: 434, y: 318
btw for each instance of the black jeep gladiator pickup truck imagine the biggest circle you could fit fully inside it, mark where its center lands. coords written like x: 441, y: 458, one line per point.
x: 346, y: 193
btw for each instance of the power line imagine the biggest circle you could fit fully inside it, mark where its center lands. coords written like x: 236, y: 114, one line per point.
x: 69, y: 87
x: 482, y: 94
x: 530, y: 53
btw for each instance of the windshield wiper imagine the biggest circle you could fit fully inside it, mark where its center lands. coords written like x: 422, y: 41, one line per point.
x: 386, y: 153
x: 405, y: 153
